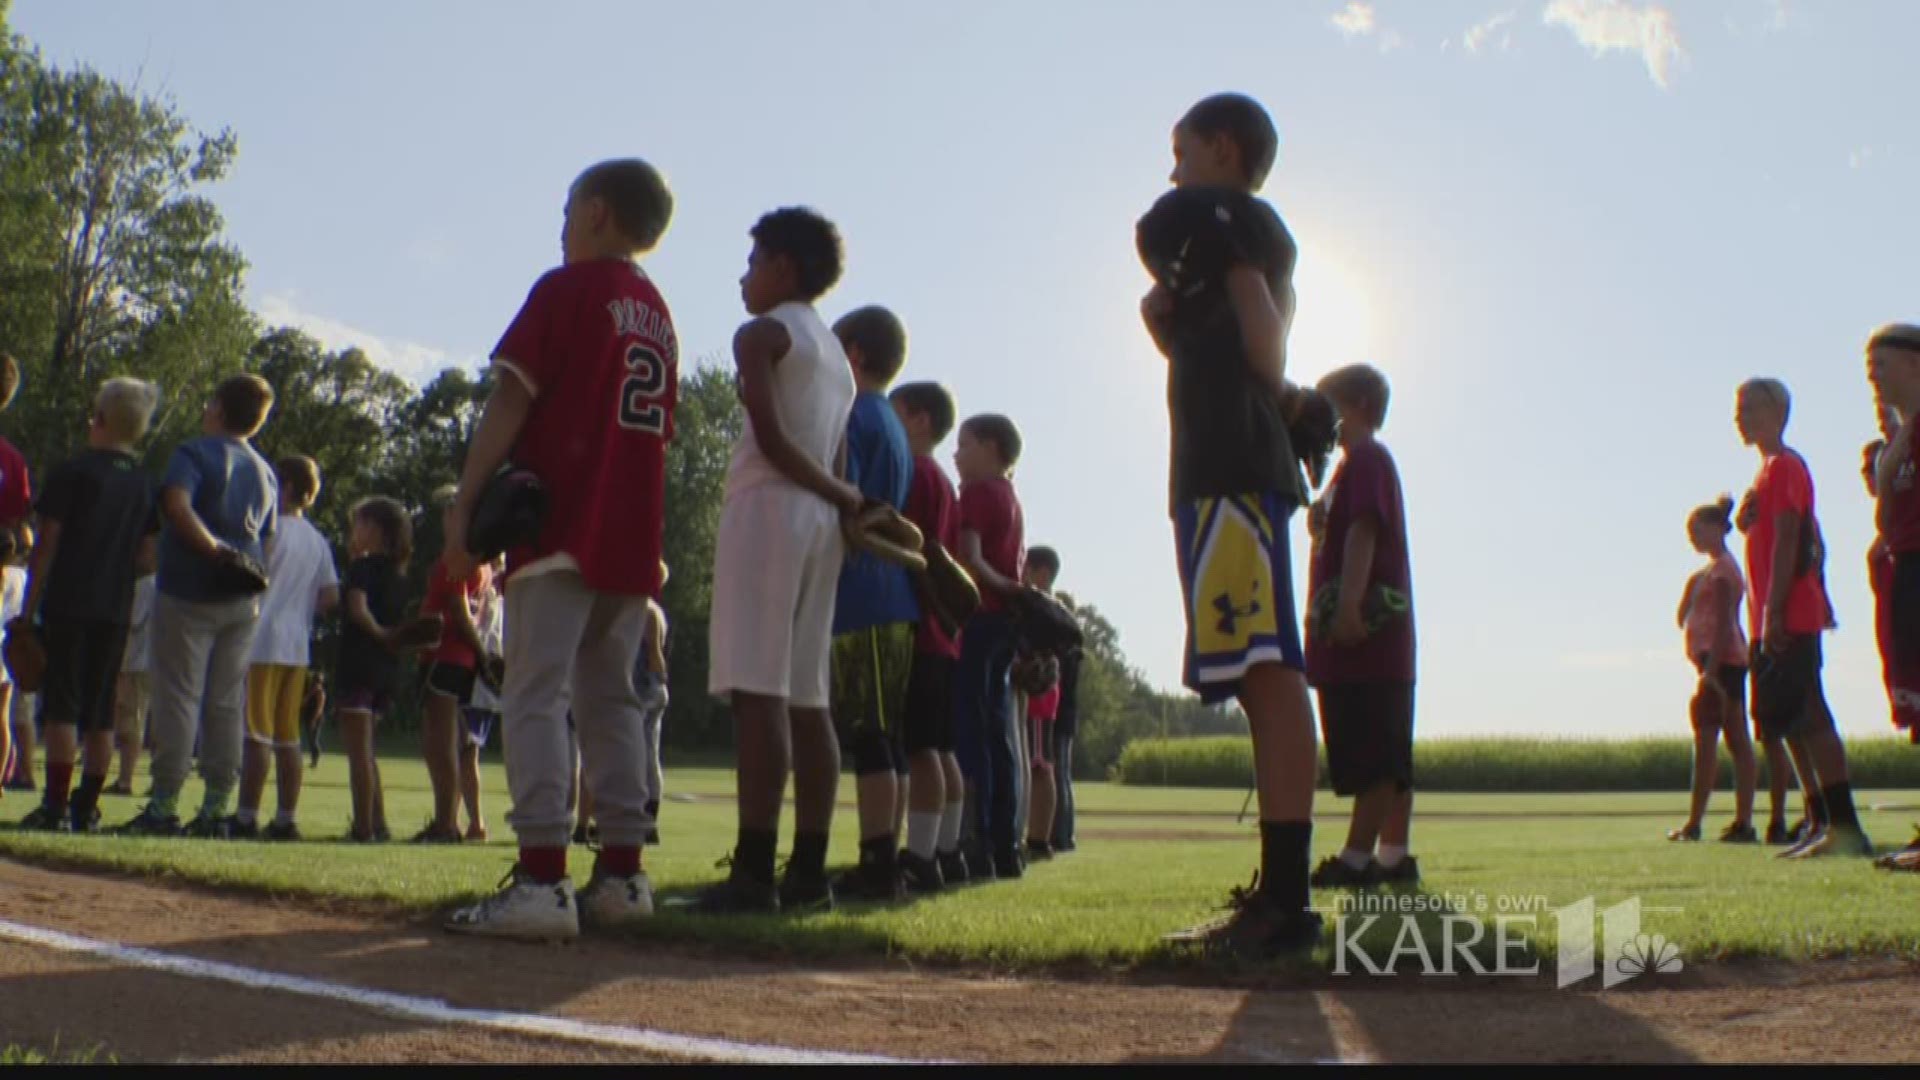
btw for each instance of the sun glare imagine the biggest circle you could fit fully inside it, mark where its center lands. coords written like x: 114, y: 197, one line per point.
x: 1331, y: 326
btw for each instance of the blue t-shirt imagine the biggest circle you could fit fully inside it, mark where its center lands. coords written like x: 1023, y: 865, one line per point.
x: 874, y: 592
x: 234, y: 491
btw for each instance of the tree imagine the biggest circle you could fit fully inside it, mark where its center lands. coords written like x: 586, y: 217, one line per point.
x: 707, y: 423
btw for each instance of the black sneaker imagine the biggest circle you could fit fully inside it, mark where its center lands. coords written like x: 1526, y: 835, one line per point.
x: 804, y: 894
x: 1737, y: 833
x: 44, y: 818
x: 382, y: 834
x: 210, y: 827
x: 922, y: 877
x: 150, y: 822
x: 1685, y: 834
x: 737, y: 896
x: 1255, y: 929
x: 1777, y: 834
x: 1334, y: 873
x: 1067, y: 848
x: 435, y: 835
x: 20, y: 783
x: 872, y: 883
x: 279, y: 832
x: 1039, y: 851
x: 1007, y: 865
x: 653, y: 837
x: 84, y: 822
x: 953, y: 868
x: 1802, y: 831
x: 238, y: 831
x: 1404, y: 873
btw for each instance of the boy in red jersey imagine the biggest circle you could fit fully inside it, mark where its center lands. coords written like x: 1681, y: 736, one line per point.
x: 1893, y: 366
x: 588, y: 376
x: 1788, y: 612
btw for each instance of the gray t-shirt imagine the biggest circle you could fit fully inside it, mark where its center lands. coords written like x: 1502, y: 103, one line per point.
x: 234, y: 491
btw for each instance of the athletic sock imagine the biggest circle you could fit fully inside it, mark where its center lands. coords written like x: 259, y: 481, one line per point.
x: 545, y: 865
x: 283, y: 818
x: 622, y: 861
x: 809, y: 857
x: 1817, y: 810
x: 923, y: 832
x: 753, y: 854
x: 1839, y: 802
x: 950, y: 823
x: 246, y: 818
x: 87, y: 796
x: 215, y: 803
x: 1284, y: 849
x: 59, y: 784
x: 881, y: 851
x: 1392, y: 855
x: 1355, y: 858
x: 164, y: 805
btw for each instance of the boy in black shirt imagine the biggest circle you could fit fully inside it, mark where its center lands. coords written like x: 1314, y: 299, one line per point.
x: 98, y: 530
x: 1223, y: 265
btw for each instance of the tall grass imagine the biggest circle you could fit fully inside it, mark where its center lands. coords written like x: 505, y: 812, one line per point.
x: 1507, y: 764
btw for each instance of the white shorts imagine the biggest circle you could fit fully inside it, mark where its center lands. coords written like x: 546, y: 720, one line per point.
x: 776, y: 565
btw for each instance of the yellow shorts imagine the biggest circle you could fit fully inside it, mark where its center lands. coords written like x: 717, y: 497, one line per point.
x: 275, y: 693
x: 130, y: 701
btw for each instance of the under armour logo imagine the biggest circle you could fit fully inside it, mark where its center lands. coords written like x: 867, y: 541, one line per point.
x: 1230, y: 615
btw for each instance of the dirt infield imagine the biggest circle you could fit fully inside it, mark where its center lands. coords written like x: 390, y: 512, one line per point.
x: 1825, y: 1012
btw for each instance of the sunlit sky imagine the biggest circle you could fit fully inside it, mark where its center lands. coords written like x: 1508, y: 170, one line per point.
x: 1566, y: 230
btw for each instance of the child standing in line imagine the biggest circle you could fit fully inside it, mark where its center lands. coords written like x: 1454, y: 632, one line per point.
x: 1710, y: 617
x: 16, y: 745
x: 369, y: 665
x: 482, y: 714
x: 133, y: 691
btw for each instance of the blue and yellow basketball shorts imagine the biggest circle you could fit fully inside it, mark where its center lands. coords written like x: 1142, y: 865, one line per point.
x: 1237, y: 572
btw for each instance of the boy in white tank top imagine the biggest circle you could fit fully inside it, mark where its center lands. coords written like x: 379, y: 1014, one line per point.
x: 777, y: 561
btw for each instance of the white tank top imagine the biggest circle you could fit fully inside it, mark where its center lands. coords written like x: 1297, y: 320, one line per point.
x: 813, y: 386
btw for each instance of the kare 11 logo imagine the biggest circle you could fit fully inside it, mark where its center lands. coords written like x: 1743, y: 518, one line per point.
x: 1449, y: 934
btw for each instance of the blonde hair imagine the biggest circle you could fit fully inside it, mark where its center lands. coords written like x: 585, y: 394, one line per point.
x: 1361, y: 386
x: 1775, y: 390
x: 124, y: 407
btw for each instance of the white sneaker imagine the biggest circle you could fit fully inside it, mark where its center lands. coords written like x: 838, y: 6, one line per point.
x: 610, y: 902
x: 523, y: 909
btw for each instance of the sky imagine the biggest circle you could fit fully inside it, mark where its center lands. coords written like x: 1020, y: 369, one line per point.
x: 1565, y: 229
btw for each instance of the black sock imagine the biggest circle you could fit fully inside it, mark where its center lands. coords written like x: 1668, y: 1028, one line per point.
x: 1817, y: 809
x: 1838, y: 799
x: 753, y: 854
x: 809, y: 855
x: 881, y: 851
x: 1284, y: 849
x: 87, y: 796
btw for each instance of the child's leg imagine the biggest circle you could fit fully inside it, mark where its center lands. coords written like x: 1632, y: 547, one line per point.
x: 972, y: 674
x: 128, y: 712
x: 182, y: 641
x: 1706, y: 773
x: 356, y: 734
x: 1745, y: 773
x: 547, y: 618
x: 1779, y: 768
x: 440, y: 746
x: 63, y: 751
x: 1063, y: 831
x: 289, y: 702
x: 1041, y: 808
x: 614, y: 750
x: 263, y: 698
x: 1811, y: 785
x: 816, y: 783
x: 6, y: 732
x: 470, y: 790
x: 1274, y: 698
x: 1397, y: 828
x: 224, y: 719
x: 1003, y: 747
x: 289, y: 771
x: 954, y: 816
x: 1022, y: 765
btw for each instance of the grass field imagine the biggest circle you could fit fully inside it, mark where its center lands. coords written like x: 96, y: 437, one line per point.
x: 1151, y: 860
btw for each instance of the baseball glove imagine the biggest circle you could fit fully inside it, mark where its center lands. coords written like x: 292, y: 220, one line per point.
x: 881, y: 531
x: 419, y: 632
x: 26, y: 656
x: 237, y: 574
x: 1034, y: 675
x: 1044, y: 623
x: 1381, y: 606
x: 511, y: 512
x: 492, y: 673
x: 949, y: 587
x: 1312, y: 430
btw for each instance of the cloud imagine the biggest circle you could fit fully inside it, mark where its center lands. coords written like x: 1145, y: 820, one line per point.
x: 1861, y: 158
x: 1605, y: 26
x: 410, y: 360
x: 1482, y: 36
x: 1354, y: 20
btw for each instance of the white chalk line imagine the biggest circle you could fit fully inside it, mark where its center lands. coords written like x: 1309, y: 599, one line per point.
x: 428, y: 1010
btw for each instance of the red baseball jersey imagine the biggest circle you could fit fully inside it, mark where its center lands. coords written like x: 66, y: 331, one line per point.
x: 933, y: 508
x: 595, y: 345
x: 16, y: 488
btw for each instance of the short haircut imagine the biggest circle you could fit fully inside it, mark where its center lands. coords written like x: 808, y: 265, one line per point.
x: 1903, y: 336
x: 1775, y: 391
x: 1361, y: 386
x: 807, y: 240
x: 395, y: 526
x: 1243, y: 122
x: 1043, y: 558
x: 1718, y: 513
x: 932, y: 401
x: 998, y: 430
x: 244, y: 401
x: 880, y: 337
x: 299, y: 479
x: 124, y: 407
x: 9, y: 379
x: 637, y: 195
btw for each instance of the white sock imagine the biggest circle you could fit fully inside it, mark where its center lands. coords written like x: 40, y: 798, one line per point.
x: 284, y: 817
x: 1356, y: 860
x: 950, y: 826
x: 1391, y: 855
x: 923, y: 831
x: 245, y: 817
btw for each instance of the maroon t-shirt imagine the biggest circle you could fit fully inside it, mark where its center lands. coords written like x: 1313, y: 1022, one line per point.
x: 1903, y: 532
x: 932, y: 507
x: 1366, y: 485
x: 16, y: 488
x: 991, y: 509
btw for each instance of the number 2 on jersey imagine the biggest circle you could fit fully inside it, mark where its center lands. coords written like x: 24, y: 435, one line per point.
x: 642, y: 389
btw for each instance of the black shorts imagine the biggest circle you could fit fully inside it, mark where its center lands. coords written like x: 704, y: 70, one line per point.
x: 83, y: 667
x: 448, y: 680
x: 1368, y: 728
x: 1905, y: 603
x: 1788, y: 698
x: 1732, y: 678
x: 929, y: 713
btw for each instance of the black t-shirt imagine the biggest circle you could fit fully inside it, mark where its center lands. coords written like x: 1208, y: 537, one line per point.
x: 1066, y: 722
x: 106, y: 506
x: 1229, y: 435
x: 364, y: 663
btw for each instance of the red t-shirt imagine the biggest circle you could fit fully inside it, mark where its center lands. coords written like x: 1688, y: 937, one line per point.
x: 931, y: 506
x: 1903, y: 498
x: 1366, y: 485
x: 1783, y: 485
x: 16, y: 487
x: 442, y: 593
x: 595, y: 344
x: 991, y: 510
